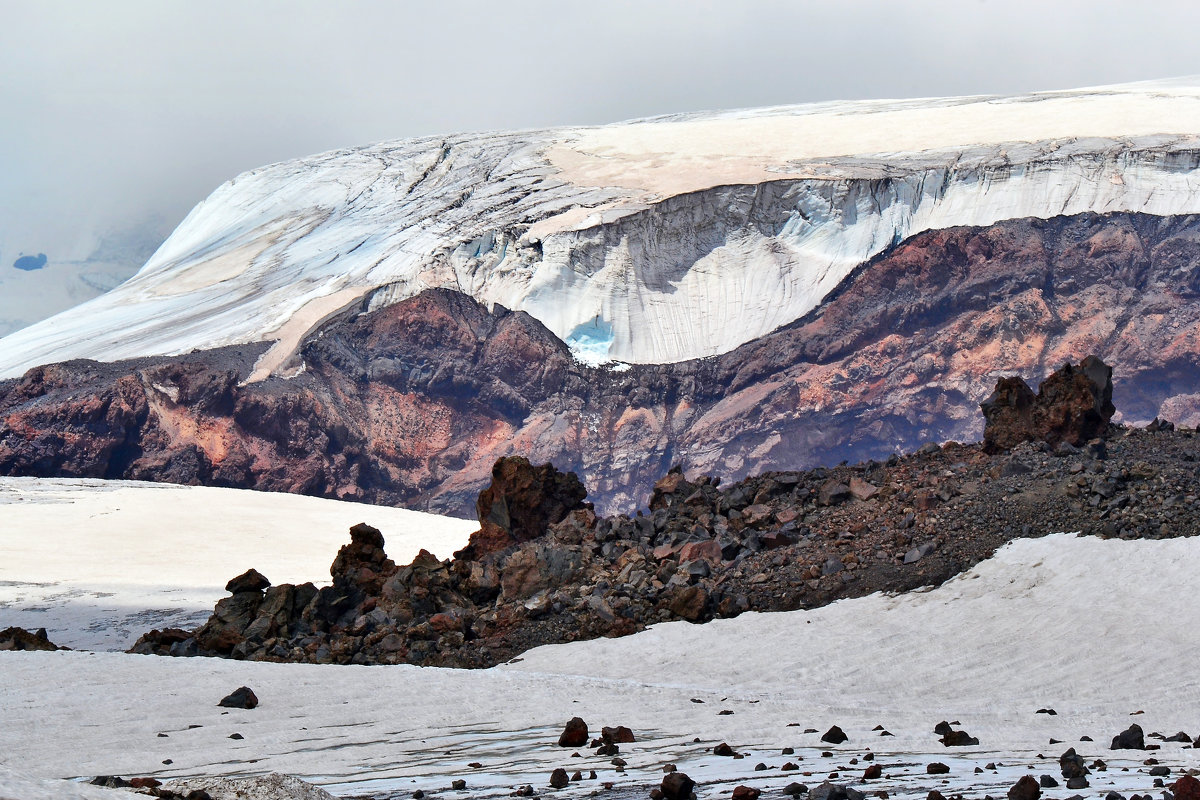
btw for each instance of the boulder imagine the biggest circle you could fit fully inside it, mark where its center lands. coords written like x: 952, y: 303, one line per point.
x: 1186, y: 788
x: 1073, y: 405
x: 677, y: 786
x: 15, y: 638
x: 690, y: 603
x: 833, y: 492
x: 242, y: 697
x: 249, y: 581
x: 1026, y: 788
x: 619, y: 735
x: 861, y: 490
x: 559, y: 778
x: 521, y: 503
x: 363, y: 563
x: 746, y: 793
x: 834, y: 735
x: 1072, y: 765
x: 575, y: 734
x: 834, y: 791
x: 958, y: 739
x: 1129, y: 739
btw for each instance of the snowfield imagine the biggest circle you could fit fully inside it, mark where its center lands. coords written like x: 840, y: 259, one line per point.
x: 1095, y: 629
x: 652, y: 241
x: 98, y: 563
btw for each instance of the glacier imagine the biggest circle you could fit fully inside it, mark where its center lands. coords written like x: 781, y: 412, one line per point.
x: 652, y: 241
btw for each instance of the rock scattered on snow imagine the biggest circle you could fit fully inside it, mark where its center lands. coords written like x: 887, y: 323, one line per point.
x: 834, y: 735
x: 242, y: 697
x: 575, y: 733
x: 1026, y: 788
x: 274, y: 786
x: 1129, y: 739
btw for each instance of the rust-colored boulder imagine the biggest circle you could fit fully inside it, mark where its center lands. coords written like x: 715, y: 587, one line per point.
x: 1186, y: 788
x: 575, y: 734
x: 20, y: 639
x: 521, y: 503
x: 1073, y: 405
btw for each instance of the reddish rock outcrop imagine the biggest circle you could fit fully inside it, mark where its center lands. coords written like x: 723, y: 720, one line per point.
x: 1073, y: 405
x: 413, y: 403
x: 521, y: 503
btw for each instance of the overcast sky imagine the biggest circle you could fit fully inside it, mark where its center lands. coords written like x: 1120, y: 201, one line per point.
x: 118, y: 110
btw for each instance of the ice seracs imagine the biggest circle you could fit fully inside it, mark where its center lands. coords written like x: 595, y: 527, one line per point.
x: 654, y: 241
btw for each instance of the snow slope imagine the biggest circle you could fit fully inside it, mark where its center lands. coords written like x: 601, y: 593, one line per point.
x: 1095, y: 629
x: 98, y: 563
x: 652, y: 241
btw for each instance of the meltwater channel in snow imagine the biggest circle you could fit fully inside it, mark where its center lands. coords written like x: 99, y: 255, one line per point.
x: 1095, y: 629
x: 651, y: 241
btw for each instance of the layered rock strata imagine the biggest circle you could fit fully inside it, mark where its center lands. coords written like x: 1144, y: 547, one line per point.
x: 412, y: 404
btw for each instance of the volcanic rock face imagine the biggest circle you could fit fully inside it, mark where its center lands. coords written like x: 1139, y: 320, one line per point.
x: 1073, y: 405
x: 705, y: 550
x: 413, y: 403
x: 521, y: 503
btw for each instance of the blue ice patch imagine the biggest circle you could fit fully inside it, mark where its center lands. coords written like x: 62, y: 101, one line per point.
x: 591, y: 341
x: 30, y: 263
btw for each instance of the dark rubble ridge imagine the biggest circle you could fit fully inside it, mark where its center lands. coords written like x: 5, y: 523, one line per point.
x: 544, y: 569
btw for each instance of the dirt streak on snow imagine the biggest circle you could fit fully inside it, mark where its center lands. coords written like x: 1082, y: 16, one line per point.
x: 98, y: 563
x: 1094, y: 629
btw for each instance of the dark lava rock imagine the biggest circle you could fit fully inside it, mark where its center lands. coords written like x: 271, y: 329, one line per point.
x: 834, y: 791
x: 795, y: 789
x: 745, y: 793
x: 1072, y: 405
x: 942, y: 728
x: 1129, y: 739
x: 521, y: 502
x: 677, y: 786
x: 575, y: 734
x: 1077, y: 783
x: 559, y: 778
x: 872, y: 772
x: 458, y: 784
x: 1025, y: 789
x: 936, y: 768
x: 1048, y: 781
x: 959, y: 739
x: 723, y: 749
x: 834, y: 735
x: 242, y: 697
x: 249, y: 581
x: 15, y: 638
x: 1072, y: 765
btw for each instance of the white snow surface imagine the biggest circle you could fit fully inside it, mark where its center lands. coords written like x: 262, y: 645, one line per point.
x: 1098, y: 630
x: 98, y: 563
x: 652, y: 241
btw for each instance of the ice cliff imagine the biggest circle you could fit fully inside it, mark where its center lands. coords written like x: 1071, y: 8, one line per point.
x: 652, y: 241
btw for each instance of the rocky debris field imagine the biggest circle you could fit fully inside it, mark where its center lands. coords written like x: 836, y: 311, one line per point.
x: 545, y: 569
x: 615, y: 763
